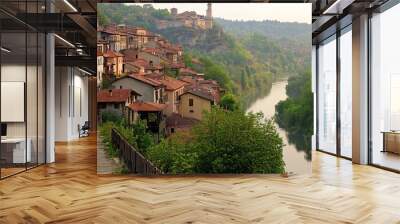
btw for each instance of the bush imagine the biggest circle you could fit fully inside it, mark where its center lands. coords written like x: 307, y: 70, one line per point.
x: 223, y: 142
x: 105, y: 133
x: 235, y: 142
x: 174, y: 155
x: 111, y: 115
x: 136, y: 135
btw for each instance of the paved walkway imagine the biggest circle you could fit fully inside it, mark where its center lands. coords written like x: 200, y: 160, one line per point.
x: 105, y: 164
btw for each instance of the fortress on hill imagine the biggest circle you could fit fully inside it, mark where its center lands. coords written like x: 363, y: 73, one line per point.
x: 188, y: 19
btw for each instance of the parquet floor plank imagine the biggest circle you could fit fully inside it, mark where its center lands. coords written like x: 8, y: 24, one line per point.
x: 70, y: 191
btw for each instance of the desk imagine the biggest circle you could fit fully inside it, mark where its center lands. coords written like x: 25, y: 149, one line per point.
x: 391, y: 141
x: 13, y: 150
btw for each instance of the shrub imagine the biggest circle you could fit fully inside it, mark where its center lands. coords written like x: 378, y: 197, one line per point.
x: 174, y: 155
x: 105, y: 133
x: 223, y: 142
x: 111, y: 115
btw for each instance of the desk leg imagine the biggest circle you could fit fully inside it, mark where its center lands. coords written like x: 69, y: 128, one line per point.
x: 384, y: 142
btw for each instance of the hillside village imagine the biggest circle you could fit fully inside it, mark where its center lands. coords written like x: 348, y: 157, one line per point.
x: 142, y: 75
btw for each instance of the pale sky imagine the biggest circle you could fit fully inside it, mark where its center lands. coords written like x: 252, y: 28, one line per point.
x: 284, y: 12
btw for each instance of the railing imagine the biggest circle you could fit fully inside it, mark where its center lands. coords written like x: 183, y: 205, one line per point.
x: 135, y: 162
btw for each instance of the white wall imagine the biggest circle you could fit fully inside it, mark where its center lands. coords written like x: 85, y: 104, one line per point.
x: 71, y: 103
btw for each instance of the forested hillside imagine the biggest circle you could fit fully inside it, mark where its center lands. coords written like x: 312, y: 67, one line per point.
x: 245, y: 63
x: 271, y: 29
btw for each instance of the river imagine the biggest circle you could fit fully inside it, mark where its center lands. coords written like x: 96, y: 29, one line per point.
x: 295, y: 160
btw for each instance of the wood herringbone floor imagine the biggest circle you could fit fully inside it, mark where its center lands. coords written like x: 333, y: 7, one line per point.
x: 69, y: 191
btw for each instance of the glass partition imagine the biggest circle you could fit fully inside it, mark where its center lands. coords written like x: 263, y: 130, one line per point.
x: 22, y: 91
x: 14, y: 153
x: 327, y: 95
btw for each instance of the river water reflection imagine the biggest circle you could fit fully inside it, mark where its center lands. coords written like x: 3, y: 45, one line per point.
x: 295, y: 159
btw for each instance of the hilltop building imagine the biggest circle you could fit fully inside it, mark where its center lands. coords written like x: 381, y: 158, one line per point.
x: 188, y: 19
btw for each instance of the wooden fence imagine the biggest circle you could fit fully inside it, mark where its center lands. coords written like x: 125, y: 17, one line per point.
x: 135, y: 161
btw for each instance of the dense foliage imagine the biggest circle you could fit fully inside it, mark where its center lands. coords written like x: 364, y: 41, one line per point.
x: 223, y: 142
x: 268, y: 28
x: 136, y: 134
x: 105, y: 133
x: 111, y: 115
x: 295, y: 114
x: 229, y: 102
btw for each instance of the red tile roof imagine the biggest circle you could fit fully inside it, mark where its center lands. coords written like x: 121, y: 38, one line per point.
x: 152, y: 50
x: 146, y: 106
x: 130, y: 54
x: 112, y: 54
x: 143, y: 63
x: 144, y: 79
x: 177, y: 65
x: 176, y: 120
x: 114, y: 95
x: 189, y: 80
x: 170, y: 83
x: 200, y: 92
x: 170, y: 47
x: 187, y: 71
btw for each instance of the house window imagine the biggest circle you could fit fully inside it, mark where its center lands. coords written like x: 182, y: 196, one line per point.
x: 116, y: 106
x: 156, y: 94
x: 172, y: 130
x: 191, y: 111
x: 190, y: 102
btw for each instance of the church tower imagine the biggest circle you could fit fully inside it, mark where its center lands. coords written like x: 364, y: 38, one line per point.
x: 209, y: 22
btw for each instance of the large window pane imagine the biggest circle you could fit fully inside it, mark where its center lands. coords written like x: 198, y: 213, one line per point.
x: 385, y: 87
x: 346, y: 93
x: 327, y: 96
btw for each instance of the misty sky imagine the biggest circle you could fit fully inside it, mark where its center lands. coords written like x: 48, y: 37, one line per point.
x: 284, y: 12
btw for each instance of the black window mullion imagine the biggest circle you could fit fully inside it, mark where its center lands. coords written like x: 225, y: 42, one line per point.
x: 369, y: 96
x: 317, y: 95
x: 26, y: 86
x: 37, y: 90
x: 338, y: 77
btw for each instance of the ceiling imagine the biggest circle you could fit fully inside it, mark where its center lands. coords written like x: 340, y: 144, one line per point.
x: 332, y: 15
x: 74, y: 21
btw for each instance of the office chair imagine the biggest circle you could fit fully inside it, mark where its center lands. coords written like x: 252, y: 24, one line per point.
x: 84, y: 130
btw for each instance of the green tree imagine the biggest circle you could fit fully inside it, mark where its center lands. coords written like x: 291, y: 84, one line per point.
x: 243, y: 80
x: 236, y: 142
x: 103, y: 19
x: 144, y: 139
x: 229, y: 102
